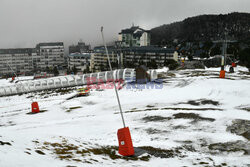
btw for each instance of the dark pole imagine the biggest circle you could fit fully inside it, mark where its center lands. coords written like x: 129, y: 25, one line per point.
x: 116, y: 92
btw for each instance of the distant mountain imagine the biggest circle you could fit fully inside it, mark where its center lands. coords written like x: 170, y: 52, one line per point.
x: 204, y: 28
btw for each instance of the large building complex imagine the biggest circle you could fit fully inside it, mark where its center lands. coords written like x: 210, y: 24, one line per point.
x: 18, y: 60
x: 148, y: 55
x: 131, y: 57
x: 29, y: 60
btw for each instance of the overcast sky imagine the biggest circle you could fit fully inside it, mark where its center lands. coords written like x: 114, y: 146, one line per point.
x: 24, y: 23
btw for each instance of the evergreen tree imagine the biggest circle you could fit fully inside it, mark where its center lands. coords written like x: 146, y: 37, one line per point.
x: 74, y: 70
x: 55, y: 71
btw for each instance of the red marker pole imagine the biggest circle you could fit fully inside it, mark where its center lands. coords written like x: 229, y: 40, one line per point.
x: 124, y: 138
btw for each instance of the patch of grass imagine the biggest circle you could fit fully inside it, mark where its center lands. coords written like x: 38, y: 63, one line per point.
x: 172, y: 108
x: 238, y: 146
x: 150, y: 106
x: 215, y: 103
x: 202, y: 102
x: 109, y: 151
x: 5, y: 143
x: 73, y: 108
x: 195, y: 109
x: 193, y: 116
x: 155, y: 118
x: 240, y: 127
x: 66, y: 151
x: 39, y: 152
x: 194, y: 103
x: 179, y: 127
x: 246, y: 109
x: 27, y: 152
x: 157, y: 152
x: 154, y: 131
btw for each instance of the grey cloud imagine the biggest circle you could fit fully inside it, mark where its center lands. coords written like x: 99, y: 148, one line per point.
x: 23, y: 23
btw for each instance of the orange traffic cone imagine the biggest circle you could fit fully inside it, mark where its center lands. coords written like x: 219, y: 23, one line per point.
x: 35, y: 107
x: 222, y: 73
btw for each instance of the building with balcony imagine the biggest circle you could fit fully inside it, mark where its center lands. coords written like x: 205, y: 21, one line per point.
x: 148, y: 55
x: 80, y: 61
x: 49, y: 55
x: 16, y: 60
x: 99, y: 59
x: 29, y: 60
x: 134, y: 37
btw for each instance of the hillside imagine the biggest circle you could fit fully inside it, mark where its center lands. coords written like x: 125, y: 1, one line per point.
x: 204, y: 28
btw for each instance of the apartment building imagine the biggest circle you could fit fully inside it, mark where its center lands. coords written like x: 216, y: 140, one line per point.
x: 49, y: 55
x: 99, y: 59
x: 135, y: 56
x: 17, y: 60
x: 28, y: 60
x: 134, y: 37
x: 81, y: 61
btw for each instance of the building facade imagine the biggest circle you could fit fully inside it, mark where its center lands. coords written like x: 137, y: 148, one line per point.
x: 49, y: 55
x: 17, y: 60
x: 131, y: 57
x: 29, y: 60
x: 134, y: 37
x: 148, y: 56
x: 80, y: 61
x: 99, y: 59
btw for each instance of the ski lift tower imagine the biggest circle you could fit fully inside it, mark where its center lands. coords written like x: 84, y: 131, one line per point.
x: 224, y: 53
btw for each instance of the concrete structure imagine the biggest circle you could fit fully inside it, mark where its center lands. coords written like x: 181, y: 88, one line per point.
x: 131, y: 57
x: 134, y: 36
x: 28, y: 60
x: 49, y: 55
x: 17, y: 60
x: 81, y: 61
x: 99, y: 59
x: 147, y: 55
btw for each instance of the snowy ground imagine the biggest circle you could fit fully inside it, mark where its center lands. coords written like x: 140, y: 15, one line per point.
x: 182, y: 124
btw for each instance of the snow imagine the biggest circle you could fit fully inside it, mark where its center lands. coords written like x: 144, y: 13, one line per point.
x: 96, y: 119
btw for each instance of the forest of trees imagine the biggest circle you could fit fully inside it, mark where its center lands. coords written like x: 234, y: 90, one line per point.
x: 204, y: 28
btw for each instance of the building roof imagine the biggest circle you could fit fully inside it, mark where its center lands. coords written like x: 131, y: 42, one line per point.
x: 49, y: 44
x: 148, y: 49
x: 17, y: 51
x: 138, y: 34
x: 132, y: 30
x: 101, y: 49
x: 85, y: 55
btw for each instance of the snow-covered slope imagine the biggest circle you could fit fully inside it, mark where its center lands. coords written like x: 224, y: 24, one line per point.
x: 182, y: 124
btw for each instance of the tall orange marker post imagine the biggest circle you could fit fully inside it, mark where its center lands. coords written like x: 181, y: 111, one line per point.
x: 223, y: 58
x: 222, y: 71
x: 124, y: 138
